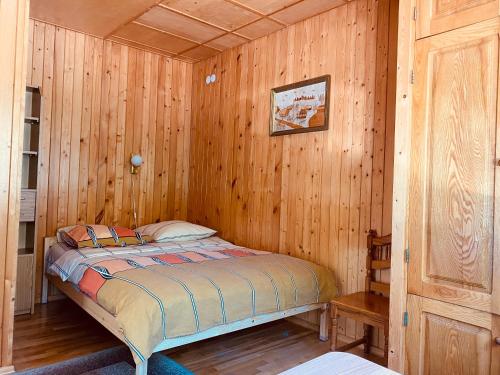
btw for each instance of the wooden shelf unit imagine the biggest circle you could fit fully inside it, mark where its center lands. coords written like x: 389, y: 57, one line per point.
x: 26, y: 247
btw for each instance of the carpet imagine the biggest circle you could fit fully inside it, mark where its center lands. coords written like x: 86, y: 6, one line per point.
x: 114, y: 361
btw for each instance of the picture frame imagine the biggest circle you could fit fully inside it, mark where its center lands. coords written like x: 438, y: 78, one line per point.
x: 300, y: 107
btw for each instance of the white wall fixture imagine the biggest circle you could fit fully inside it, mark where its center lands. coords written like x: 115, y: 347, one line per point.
x: 211, y: 78
x: 136, y: 161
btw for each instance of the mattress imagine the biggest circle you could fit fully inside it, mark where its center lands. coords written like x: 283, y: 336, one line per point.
x: 339, y: 363
x: 161, y: 291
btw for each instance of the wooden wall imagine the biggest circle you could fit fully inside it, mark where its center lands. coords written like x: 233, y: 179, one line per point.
x: 101, y: 102
x: 13, y: 39
x: 313, y: 195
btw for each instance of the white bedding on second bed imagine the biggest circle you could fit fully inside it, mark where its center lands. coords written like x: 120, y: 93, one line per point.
x: 339, y: 363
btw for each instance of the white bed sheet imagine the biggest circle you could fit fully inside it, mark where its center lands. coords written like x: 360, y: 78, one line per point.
x: 339, y: 363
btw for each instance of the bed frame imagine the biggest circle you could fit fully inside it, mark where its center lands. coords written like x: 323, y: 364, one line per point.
x: 109, y: 321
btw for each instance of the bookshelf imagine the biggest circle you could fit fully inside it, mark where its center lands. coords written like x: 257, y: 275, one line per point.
x: 26, y: 247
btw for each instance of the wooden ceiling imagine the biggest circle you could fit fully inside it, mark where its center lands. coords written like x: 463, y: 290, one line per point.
x: 189, y: 30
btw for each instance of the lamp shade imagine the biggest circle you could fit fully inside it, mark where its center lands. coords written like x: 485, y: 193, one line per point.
x: 136, y: 160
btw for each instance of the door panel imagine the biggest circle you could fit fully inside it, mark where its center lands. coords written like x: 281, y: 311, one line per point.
x: 448, y: 339
x: 437, y: 16
x: 453, y: 241
x: 458, y: 340
x: 461, y: 170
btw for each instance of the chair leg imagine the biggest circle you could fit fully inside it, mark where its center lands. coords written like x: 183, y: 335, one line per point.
x: 367, y: 337
x: 386, y: 344
x: 333, y: 312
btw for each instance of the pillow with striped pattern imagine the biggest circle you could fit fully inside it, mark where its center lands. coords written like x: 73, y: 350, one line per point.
x: 80, y: 236
x: 60, y: 232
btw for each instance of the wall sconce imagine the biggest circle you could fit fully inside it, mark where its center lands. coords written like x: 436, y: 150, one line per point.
x: 136, y: 162
x: 211, y: 78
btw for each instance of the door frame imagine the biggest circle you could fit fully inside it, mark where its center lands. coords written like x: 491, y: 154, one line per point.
x: 14, y: 26
x: 402, y: 142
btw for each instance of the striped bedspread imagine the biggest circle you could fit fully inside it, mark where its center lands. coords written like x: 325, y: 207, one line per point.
x: 159, y: 291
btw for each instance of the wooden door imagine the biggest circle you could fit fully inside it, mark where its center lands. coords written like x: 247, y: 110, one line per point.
x: 447, y: 339
x: 454, y: 181
x: 437, y: 16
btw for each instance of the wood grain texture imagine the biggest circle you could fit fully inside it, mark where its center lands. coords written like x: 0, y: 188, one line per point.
x: 96, y: 17
x: 57, y: 331
x: 461, y: 173
x: 458, y: 352
x: 445, y: 339
x: 313, y: 196
x: 437, y: 16
x: 453, y: 212
x: 184, y: 29
x: 402, y: 141
x: 24, y: 284
x: 103, y: 101
x: 14, y: 38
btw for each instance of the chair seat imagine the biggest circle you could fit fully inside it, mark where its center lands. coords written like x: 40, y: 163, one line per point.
x: 365, y: 303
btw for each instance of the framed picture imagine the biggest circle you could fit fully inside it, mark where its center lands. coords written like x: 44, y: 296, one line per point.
x: 300, y: 107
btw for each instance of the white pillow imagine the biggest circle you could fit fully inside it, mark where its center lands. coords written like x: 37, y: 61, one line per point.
x: 175, y: 230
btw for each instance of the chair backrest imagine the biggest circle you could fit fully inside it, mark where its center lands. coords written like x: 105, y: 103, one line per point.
x: 378, y: 258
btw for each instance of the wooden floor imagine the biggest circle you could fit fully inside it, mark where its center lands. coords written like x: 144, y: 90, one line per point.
x: 61, y: 330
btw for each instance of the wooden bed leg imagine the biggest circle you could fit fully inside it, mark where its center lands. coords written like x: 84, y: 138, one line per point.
x: 45, y: 280
x: 141, y: 368
x: 45, y: 289
x: 324, y: 320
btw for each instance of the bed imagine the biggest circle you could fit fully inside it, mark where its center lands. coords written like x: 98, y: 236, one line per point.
x: 341, y: 363
x: 162, y: 295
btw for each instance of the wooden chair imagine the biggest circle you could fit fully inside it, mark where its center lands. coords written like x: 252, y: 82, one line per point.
x: 372, y: 306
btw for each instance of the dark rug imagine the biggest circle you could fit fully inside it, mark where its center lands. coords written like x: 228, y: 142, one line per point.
x: 114, y: 361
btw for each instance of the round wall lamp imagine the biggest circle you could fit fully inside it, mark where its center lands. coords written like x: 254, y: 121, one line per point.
x: 211, y: 78
x: 136, y: 162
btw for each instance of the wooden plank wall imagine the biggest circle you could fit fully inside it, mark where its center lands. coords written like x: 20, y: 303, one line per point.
x: 13, y: 39
x: 315, y: 195
x: 101, y: 102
